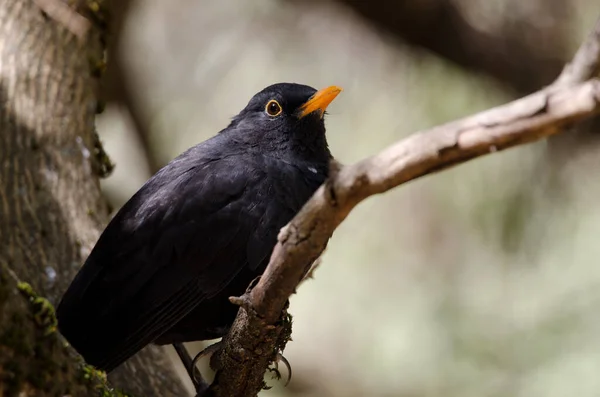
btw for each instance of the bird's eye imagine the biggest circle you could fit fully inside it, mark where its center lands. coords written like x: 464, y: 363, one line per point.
x: 273, y: 108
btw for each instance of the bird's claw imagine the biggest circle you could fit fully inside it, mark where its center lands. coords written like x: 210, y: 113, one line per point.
x: 209, y: 350
x: 276, y: 371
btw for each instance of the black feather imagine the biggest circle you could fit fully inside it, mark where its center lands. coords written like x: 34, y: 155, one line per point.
x: 197, y: 232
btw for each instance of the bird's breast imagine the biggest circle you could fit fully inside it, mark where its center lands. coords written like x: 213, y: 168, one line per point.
x: 293, y: 182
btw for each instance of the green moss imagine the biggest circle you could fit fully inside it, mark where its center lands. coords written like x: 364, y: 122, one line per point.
x: 286, y: 333
x: 98, y: 11
x: 284, y: 336
x: 98, y: 380
x: 36, y: 357
x: 104, y: 166
x: 12, y: 334
x: 41, y: 308
x: 97, y: 67
x: 89, y: 373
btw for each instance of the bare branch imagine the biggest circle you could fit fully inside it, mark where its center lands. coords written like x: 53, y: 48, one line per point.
x: 586, y: 63
x: 569, y: 147
x: 528, y: 119
x: 256, y: 334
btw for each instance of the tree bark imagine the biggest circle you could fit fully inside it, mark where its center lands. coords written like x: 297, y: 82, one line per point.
x: 51, y: 207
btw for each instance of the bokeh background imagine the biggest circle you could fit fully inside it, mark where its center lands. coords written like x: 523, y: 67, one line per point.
x: 482, y: 280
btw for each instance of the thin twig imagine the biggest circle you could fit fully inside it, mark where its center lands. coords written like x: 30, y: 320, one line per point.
x: 586, y: 63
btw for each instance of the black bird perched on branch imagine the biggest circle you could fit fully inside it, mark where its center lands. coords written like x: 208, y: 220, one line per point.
x: 199, y: 231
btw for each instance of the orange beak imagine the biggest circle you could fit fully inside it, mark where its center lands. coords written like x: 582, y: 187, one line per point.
x: 319, y: 101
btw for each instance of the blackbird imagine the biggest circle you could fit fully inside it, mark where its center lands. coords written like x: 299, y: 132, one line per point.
x: 199, y: 231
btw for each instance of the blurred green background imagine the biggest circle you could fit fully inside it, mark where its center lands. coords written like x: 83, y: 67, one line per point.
x: 482, y: 280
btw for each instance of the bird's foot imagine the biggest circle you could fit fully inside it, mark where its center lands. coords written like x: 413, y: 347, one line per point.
x: 212, y: 349
x: 275, y: 369
x: 207, y: 351
x: 199, y: 383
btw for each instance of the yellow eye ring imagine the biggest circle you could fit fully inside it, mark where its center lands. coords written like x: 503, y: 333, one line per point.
x: 273, y: 108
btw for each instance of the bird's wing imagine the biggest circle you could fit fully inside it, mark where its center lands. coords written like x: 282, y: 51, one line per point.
x: 179, y: 240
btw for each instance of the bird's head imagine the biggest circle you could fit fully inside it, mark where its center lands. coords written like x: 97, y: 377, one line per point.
x: 286, y: 116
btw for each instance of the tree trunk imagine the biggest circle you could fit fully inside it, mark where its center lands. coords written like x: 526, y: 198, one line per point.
x: 51, y: 206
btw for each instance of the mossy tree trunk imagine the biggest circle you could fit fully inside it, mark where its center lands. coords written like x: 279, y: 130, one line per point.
x: 51, y: 206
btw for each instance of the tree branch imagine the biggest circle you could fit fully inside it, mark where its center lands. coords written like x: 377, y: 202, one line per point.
x: 586, y: 63
x: 258, y: 331
x: 583, y: 139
